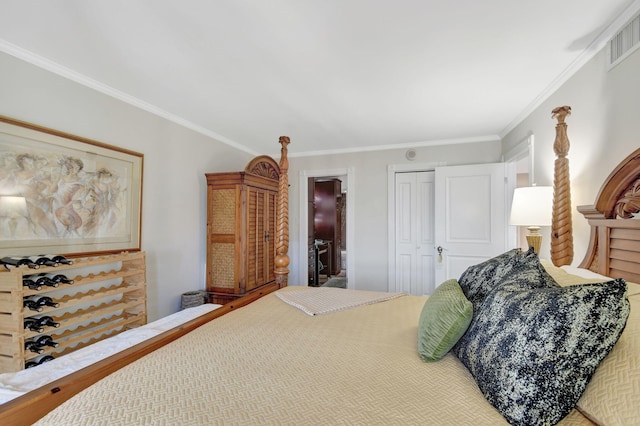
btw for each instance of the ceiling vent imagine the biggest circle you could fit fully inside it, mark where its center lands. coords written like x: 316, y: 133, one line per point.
x: 625, y: 42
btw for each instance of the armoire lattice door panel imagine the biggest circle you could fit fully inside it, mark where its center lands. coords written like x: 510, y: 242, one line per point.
x: 261, y: 228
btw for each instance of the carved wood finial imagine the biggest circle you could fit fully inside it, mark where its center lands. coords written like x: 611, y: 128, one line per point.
x: 561, y: 224
x: 629, y: 204
x: 282, y: 218
x: 561, y: 112
x: 264, y: 166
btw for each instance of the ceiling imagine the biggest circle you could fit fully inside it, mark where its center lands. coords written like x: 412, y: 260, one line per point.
x: 334, y: 75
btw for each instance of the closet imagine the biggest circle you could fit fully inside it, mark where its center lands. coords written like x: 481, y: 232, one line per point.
x: 241, y: 229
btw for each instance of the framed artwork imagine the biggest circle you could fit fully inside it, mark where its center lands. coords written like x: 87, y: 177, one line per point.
x: 63, y: 194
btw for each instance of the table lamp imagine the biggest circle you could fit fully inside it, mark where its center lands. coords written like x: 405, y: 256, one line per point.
x: 532, y: 207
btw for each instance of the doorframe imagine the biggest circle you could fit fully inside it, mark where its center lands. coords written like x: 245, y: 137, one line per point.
x: 392, y: 169
x: 303, y: 253
x: 524, y: 149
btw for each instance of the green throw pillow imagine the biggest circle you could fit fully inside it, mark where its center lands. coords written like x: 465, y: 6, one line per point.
x: 445, y: 317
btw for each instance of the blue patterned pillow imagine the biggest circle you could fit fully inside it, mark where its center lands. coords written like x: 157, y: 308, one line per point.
x: 525, y: 273
x: 479, y: 280
x: 533, y: 351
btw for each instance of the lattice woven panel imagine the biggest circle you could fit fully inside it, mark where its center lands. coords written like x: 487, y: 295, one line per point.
x: 224, y: 208
x: 222, y: 265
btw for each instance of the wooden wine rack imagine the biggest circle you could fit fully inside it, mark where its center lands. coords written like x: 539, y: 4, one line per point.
x: 96, y: 306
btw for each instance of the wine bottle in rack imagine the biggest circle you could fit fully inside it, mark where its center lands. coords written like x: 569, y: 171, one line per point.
x: 32, y: 345
x: 42, y: 260
x: 43, y: 301
x: 18, y: 261
x: 58, y: 258
x: 43, y: 280
x: 31, y: 284
x: 38, y: 361
x: 58, y: 278
x: 31, y: 305
x: 32, y: 325
x: 46, y: 321
x: 42, y: 341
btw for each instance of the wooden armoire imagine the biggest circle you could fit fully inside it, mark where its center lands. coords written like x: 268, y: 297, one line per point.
x: 241, y: 229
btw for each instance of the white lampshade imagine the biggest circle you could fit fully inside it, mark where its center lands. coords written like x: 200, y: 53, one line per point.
x: 532, y: 206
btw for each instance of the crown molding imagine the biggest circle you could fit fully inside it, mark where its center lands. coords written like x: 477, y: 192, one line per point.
x: 373, y: 148
x: 587, y: 54
x: 54, y: 67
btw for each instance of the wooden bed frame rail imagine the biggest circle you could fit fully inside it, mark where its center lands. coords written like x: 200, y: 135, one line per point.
x: 28, y: 408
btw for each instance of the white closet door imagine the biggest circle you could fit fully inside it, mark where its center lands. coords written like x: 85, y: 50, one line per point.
x: 414, y: 193
x: 470, y: 217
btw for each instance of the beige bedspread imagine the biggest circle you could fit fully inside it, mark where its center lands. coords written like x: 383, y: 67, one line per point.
x: 270, y: 363
x: 326, y: 300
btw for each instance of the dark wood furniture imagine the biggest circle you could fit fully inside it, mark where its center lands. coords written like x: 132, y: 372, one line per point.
x: 320, y: 249
x: 327, y: 220
x: 241, y: 229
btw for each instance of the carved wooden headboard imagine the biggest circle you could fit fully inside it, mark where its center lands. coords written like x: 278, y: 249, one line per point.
x: 614, y: 244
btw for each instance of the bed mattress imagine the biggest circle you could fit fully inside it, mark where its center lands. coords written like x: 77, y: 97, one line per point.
x: 270, y: 363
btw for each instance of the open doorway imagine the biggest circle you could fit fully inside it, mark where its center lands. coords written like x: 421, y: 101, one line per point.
x: 314, y: 244
x: 326, y: 239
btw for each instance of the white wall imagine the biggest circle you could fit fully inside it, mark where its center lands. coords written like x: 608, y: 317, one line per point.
x: 603, y: 129
x: 368, y: 193
x: 175, y: 160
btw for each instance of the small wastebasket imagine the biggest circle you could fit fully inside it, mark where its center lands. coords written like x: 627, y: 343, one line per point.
x: 193, y: 298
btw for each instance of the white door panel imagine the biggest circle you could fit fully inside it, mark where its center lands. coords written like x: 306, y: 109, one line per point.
x: 426, y: 274
x: 461, y: 209
x: 468, y: 212
x: 470, y: 216
x: 414, y: 232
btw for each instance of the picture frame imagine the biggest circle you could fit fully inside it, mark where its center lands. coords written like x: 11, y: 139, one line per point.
x: 65, y: 194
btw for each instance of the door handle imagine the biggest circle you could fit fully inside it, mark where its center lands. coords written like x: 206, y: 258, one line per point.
x: 440, y: 249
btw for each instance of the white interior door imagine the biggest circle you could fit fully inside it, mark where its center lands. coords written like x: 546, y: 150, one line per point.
x: 414, y: 231
x: 470, y: 217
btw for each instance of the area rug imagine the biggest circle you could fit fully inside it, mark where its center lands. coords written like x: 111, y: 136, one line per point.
x: 338, y: 282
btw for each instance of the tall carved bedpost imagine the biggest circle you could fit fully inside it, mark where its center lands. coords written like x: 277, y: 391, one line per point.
x: 561, y: 226
x: 282, y: 220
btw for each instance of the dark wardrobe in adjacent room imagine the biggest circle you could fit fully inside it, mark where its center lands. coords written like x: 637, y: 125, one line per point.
x: 326, y: 227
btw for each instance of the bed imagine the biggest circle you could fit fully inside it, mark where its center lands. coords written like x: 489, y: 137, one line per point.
x: 289, y: 356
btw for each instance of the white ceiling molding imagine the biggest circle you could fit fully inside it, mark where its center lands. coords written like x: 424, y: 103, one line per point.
x: 588, y: 53
x: 76, y: 77
x: 438, y: 142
